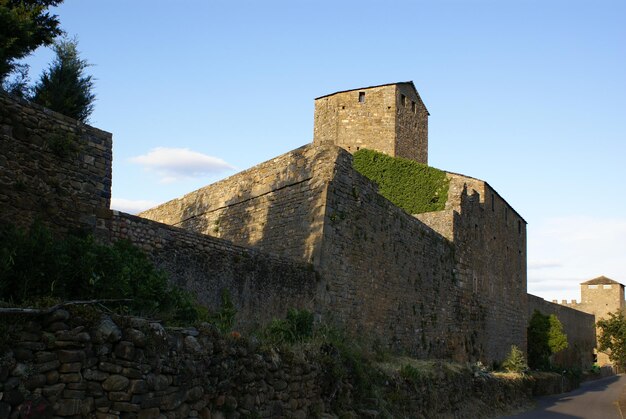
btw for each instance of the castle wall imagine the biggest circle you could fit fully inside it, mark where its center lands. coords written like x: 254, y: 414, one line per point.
x: 391, y: 119
x: 276, y: 206
x: 599, y: 299
x: 577, y: 325
x: 261, y: 286
x: 490, y: 257
x: 52, y: 167
x: 411, y: 125
x: 342, y: 120
x: 390, y: 277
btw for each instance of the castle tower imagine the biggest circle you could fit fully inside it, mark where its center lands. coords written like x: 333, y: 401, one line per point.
x: 601, y: 296
x: 390, y: 118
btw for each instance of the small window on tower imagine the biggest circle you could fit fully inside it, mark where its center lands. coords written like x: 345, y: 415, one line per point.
x: 403, y: 100
x: 361, y: 97
x: 413, y: 106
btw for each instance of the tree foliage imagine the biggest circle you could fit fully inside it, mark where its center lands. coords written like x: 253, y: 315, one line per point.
x: 412, y: 186
x: 612, y: 338
x: 35, y: 265
x: 24, y: 26
x: 65, y: 87
x: 545, y: 338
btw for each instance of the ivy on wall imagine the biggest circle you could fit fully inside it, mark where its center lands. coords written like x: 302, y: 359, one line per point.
x: 412, y: 186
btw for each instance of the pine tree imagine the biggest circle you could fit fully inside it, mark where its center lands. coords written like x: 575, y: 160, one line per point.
x: 64, y: 87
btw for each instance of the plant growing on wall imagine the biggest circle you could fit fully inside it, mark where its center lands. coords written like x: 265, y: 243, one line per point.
x: 412, y: 186
x: 545, y: 338
x: 612, y: 338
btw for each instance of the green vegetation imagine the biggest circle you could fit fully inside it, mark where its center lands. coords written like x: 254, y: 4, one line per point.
x: 24, y: 26
x: 296, y: 327
x: 515, y: 361
x: 64, y: 87
x: 412, y: 186
x: 36, y: 267
x: 612, y: 338
x: 224, y: 319
x: 545, y: 338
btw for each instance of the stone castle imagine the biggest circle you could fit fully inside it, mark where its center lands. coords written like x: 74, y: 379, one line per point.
x: 306, y: 230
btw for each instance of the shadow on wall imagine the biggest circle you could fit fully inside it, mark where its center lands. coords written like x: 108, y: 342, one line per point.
x: 278, y: 209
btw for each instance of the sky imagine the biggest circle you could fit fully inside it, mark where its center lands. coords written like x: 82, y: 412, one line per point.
x: 529, y: 95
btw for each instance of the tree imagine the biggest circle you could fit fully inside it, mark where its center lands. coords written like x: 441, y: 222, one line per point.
x: 65, y: 87
x: 24, y: 26
x: 545, y: 338
x: 613, y: 338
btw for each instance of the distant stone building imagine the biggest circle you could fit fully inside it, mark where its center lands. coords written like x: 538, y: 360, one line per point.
x: 390, y: 118
x: 600, y: 296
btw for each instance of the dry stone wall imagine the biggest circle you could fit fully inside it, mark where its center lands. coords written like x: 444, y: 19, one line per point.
x: 52, y: 168
x: 87, y: 365
x: 577, y: 325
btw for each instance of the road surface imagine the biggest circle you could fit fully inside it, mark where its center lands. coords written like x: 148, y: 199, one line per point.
x: 599, y: 399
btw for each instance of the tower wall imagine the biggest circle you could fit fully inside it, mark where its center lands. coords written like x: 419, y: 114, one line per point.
x: 391, y: 119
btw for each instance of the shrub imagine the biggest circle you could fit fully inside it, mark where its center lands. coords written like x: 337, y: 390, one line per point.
x: 515, y: 361
x: 296, y: 327
x: 36, y: 265
x: 412, y: 186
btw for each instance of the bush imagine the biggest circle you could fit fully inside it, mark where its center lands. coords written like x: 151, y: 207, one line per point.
x: 515, y: 361
x: 35, y: 265
x: 296, y: 327
x: 412, y: 186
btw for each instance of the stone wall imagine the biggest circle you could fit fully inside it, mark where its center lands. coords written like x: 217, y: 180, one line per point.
x: 392, y: 278
x: 84, y: 366
x: 77, y: 362
x: 579, y: 328
x: 599, y: 297
x: 276, y: 206
x: 390, y: 118
x: 262, y: 286
x: 432, y: 287
x: 52, y: 168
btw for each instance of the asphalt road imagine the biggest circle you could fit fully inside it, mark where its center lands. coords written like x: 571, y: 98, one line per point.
x: 600, y: 399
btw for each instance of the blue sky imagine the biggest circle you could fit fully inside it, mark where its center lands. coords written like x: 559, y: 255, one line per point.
x: 527, y: 95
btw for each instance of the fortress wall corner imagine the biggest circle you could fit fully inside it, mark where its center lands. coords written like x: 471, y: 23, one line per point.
x: 52, y: 168
x: 276, y: 206
x: 388, y: 276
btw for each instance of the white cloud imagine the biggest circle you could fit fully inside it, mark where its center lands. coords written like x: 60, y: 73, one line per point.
x: 565, y: 251
x: 131, y: 206
x: 174, y: 164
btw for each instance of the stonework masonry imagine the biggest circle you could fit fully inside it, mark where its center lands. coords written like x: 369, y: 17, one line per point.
x: 577, y: 325
x: 303, y: 230
x: 390, y: 118
x: 599, y: 297
x: 52, y: 168
x: 432, y: 287
x: 262, y: 285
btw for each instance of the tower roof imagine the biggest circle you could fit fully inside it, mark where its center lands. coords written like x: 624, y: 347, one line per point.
x: 601, y: 280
